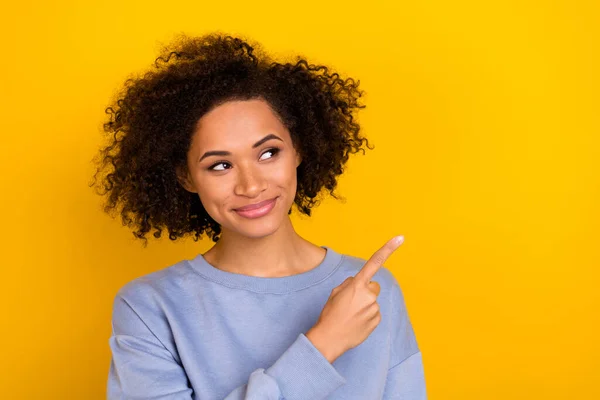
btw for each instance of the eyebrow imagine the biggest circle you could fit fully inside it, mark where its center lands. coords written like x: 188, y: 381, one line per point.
x: 227, y: 153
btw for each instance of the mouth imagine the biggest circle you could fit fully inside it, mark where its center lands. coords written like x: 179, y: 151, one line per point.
x: 256, y: 205
x: 257, y: 210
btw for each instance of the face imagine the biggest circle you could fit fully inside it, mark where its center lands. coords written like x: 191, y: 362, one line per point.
x: 241, y: 154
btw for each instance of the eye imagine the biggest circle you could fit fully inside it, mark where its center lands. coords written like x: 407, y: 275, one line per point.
x: 212, y: 168
x: 273, y: 151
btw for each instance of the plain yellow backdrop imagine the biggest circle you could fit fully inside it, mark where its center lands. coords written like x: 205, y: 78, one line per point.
x: 484, y: 117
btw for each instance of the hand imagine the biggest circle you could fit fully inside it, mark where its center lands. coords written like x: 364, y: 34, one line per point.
x: 351, y: 312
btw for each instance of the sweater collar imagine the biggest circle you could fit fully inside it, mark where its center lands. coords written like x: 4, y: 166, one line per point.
x: 282, y: 284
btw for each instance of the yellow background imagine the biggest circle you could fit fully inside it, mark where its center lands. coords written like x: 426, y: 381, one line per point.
x: 484, y: 117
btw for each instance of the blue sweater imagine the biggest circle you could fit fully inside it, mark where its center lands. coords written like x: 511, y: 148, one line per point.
x: 192, y: 331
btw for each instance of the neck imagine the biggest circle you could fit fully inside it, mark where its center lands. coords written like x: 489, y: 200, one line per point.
x: 282, y: 253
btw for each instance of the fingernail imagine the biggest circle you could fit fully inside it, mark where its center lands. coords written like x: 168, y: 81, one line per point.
x: 398, y: 239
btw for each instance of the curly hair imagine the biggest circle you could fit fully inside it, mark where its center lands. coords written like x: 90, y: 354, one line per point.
x: 153, y: 118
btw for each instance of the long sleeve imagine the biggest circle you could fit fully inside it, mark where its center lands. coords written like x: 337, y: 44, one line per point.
x: 143, y: 368
x: 406, y: 377
x: 406, y: 381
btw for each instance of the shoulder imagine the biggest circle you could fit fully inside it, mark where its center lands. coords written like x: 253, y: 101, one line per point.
x: 146, y: 307
x: 157, y: 288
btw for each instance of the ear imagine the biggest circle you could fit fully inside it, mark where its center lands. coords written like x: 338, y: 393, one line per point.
x: 183, y: 177
x: 298, y: 159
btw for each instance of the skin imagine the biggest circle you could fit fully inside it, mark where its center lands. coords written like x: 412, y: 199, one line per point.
x: 351, y: 312
x: 267, y: 246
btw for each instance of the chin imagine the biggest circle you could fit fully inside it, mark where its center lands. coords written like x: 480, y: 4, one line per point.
x: 258, y: 227
x: 255, y: 229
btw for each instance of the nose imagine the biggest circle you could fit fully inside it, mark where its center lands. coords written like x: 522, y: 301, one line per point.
x: 250, y: 182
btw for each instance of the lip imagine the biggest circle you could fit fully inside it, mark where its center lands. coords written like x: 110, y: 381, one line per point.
x: 255, y: 206
x: 264, y: 208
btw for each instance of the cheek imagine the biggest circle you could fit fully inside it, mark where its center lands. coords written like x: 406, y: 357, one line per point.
x: 280, y: 177
x: 212, y: 194
x: 286, y: 176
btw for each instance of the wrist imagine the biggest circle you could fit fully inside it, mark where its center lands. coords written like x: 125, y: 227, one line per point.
x: 321, y: 344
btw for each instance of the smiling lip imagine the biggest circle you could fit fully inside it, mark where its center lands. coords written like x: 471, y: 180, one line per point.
x: 255, y: 206
x: 261, y: 211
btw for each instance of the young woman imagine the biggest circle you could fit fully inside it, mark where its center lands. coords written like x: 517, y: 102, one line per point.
x: 219, y: 139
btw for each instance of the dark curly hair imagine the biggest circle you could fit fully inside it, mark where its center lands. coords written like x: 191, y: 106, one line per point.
x: 153, y: 119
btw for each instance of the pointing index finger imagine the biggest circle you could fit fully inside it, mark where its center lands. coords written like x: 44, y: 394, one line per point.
x: 377, y: 259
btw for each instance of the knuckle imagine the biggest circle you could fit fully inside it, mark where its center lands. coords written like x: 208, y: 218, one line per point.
x: 372, y: 297
x: 378, y: 258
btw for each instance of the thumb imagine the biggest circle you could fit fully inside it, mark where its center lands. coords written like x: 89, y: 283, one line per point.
x: 374, y: 287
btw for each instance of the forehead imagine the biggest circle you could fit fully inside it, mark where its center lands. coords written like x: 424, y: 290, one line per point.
x: 237, y: 123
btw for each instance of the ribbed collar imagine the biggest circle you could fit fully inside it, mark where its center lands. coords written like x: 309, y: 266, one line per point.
x: 284, y: 284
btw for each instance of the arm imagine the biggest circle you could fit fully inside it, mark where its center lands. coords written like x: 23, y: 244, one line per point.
x: 406, y: 381
x: 142, y: 368
x: 302, y: 372
x: 406, y: 378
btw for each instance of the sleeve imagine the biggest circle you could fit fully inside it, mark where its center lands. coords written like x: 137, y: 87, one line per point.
x: 406, y: 378
x: 142, y: 367
x: 406, y: 381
